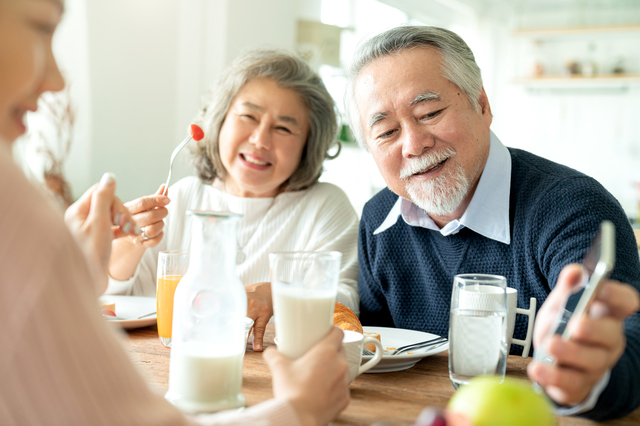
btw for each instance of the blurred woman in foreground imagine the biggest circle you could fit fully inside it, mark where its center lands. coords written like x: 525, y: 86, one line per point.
x: 268, y: 128
x: 60, y: 362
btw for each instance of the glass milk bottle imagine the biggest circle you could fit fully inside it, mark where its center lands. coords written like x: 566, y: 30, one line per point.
x: 209, y: 311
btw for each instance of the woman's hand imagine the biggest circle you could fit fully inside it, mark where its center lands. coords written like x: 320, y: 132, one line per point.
x: 316, y: 384
x: 95, y: 220
x: 259, y: 309
x: 148, y: 213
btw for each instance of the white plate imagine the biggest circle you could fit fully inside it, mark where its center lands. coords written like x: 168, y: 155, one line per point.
x: 131, y: 307
x: 396, y: 337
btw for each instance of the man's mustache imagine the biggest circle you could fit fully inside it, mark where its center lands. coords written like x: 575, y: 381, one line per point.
x: 426, y: 161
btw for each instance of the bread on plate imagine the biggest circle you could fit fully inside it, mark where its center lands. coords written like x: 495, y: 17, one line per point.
x: 344, y: 318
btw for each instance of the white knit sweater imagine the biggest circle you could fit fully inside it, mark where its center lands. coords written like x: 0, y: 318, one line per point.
x: 320, y: 218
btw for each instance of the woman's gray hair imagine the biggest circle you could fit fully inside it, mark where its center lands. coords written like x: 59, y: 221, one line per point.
x: 290, y: 72
x: 458, y: 63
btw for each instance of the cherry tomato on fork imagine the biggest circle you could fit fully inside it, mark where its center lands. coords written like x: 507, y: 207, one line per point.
x: 196, y: 132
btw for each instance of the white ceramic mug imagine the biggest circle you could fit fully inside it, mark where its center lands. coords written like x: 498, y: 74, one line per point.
x: 484, y: 297
x: 353, y: 342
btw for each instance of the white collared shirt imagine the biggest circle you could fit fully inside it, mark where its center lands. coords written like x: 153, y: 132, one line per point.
x: 488, y: 211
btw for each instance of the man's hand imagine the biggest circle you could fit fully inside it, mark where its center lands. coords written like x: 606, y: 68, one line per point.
x: 316, y: 384
x: 597, y: 340
x: 259, y: 309
x: 95, y: 220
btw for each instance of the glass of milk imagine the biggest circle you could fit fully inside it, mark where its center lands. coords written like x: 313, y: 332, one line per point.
x: 303, y: 287
x: 478, y: 327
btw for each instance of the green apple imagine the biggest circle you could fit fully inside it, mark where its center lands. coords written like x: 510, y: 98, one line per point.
x: 485, y: 401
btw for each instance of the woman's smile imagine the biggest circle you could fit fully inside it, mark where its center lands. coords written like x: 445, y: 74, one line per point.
x: 254, y: 161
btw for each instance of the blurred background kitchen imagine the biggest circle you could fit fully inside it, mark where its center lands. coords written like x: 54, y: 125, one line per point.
x: 562, y: 76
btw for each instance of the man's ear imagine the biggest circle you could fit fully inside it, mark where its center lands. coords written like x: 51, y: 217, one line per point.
x: 485, y: 108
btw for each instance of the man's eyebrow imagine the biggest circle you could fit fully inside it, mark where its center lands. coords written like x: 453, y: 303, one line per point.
x: 258, y: 108
x: 427, y: 96
x: 379, y: 116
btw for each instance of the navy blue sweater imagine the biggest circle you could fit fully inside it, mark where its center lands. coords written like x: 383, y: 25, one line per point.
x: 406, y: 273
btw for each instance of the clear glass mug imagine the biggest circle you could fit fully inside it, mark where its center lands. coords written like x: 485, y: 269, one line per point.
x: 477, y: 327
x: 172, y: 265
x: 304, y: 287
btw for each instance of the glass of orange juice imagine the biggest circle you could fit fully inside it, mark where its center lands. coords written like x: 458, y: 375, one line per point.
x: 172, y: 265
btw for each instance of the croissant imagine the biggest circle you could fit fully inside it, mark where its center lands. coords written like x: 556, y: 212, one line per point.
x: 344, y: 318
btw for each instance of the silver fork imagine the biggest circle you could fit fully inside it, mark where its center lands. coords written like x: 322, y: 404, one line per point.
x: 174, y: 154
x: 112, y: 318
x: 367, y: 352
x: 420, y: 345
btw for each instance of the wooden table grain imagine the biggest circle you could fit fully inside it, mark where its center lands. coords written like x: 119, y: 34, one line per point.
x: 393, y: 398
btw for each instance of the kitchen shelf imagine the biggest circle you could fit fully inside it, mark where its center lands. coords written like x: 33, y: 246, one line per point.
x: 569, y: 31
x: 578, y: 81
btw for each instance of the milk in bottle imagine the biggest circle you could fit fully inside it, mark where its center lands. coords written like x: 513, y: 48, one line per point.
x: 209, y: 311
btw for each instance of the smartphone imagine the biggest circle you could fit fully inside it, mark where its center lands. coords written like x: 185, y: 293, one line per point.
x: 597, y: 265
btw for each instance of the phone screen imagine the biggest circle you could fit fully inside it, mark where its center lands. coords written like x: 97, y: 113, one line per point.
x: 569, y: 309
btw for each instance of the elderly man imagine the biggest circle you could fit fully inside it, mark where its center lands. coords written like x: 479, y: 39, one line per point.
x: 468, y: 204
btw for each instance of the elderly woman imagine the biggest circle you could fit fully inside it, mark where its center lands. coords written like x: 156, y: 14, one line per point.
x: 268, y: 127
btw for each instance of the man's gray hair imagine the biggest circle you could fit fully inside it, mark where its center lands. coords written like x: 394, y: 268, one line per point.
x: 458, y: 63
x: 288, y: 71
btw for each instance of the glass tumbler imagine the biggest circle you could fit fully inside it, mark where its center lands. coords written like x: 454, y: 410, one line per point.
x: 304, y: 287
x: 172, y: 265
x: 477, y: 327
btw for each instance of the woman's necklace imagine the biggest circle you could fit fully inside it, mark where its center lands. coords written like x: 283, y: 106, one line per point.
x: 240, y: 254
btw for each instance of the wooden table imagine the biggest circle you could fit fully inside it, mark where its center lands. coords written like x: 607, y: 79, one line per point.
x: 393, y: 398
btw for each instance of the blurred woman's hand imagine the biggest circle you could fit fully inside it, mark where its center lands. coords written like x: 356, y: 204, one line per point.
x: 95, y: 220
x: 316, y: 384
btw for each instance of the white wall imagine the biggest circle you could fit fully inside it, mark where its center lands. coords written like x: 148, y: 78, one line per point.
x: 132, y: 62
x: 137, y: 70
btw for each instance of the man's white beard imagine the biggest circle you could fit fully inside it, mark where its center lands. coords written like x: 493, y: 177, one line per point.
x: 441, y: 195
